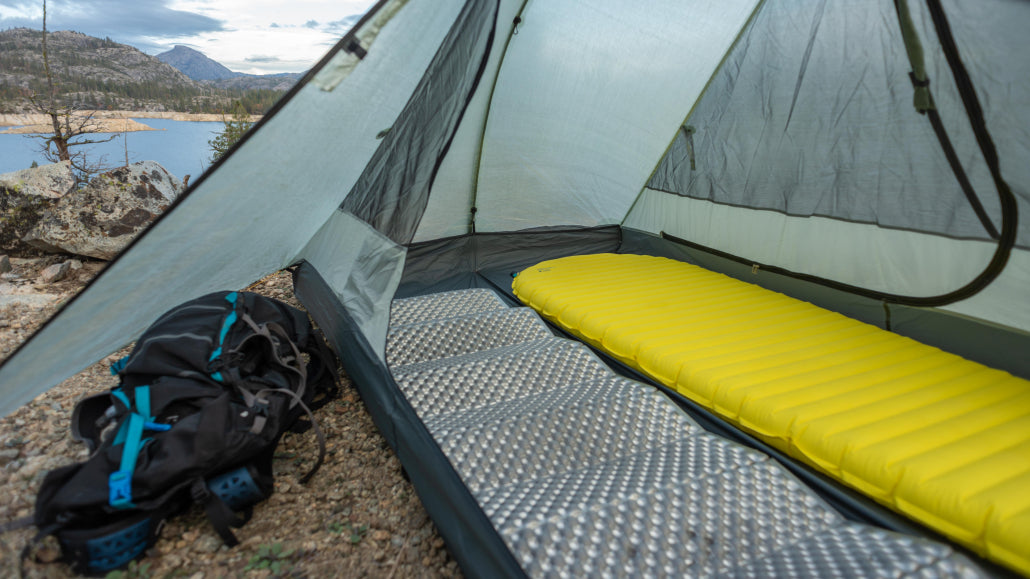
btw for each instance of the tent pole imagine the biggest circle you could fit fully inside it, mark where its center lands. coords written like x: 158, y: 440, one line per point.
x: 482, y: 135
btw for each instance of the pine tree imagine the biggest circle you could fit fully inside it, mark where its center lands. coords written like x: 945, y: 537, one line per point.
x: 235, y: 127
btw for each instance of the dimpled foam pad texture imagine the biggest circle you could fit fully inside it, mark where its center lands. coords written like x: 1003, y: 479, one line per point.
x: 586, y: 473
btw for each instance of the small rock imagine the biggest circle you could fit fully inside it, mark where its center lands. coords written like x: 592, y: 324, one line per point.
x: 75, y: 264
x: 48, y: 554
x: 207, y: 544
x: 5, y: 264
x: 438, y: 543
x: 380, y: 555
x: 197, y: 575
x: 33, y: 300
x: 7, y: 455
x: 55, y: 272
x: 381, y: 535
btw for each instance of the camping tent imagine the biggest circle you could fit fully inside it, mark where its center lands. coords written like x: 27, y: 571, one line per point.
x: 864, y: 156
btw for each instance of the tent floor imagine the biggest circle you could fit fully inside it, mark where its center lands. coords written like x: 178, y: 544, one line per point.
x: 583, y: 472
x: 928, y: 433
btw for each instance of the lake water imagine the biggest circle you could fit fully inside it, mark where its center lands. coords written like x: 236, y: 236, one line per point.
x: 179, y: 146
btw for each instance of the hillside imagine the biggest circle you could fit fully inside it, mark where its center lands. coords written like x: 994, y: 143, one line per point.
x: 95, y: 73
x: 277, y: 82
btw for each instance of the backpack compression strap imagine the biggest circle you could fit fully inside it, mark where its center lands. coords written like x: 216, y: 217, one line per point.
x: 314, y: 426
x: 130, y: 436
x: 233, y: 299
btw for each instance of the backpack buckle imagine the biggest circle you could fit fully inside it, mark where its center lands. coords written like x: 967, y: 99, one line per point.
x: 260, y: 407
x: 119, y: 486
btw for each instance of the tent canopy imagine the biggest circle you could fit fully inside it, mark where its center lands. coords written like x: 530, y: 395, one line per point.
x: 786, y: 138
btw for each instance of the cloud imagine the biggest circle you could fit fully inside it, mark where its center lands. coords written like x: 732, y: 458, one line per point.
x: 262, y: 59
x: 230, y: 31
x: 343, y: 25
x: 137, y: 22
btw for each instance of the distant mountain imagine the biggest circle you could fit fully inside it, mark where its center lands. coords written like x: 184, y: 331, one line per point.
x: 199, y: 67
x: 195, y: 65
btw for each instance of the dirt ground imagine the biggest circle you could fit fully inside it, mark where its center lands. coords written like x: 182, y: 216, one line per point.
x: 358, y: 517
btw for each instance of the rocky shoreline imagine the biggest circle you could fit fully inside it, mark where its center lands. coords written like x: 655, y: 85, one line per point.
x: 21, y: 120
x: 96, y: 126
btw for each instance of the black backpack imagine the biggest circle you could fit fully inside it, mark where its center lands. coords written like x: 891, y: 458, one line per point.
x: 202, y: 401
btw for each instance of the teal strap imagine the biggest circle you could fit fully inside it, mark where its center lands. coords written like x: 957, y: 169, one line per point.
x: 123, y: 431
x: 229, y: 321
x: 130, y: 435
x: 143, y: 401
x: 120, y: 482
x: 119, y: 366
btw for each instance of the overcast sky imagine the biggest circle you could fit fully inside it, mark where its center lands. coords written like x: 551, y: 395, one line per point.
x: 252, y: 36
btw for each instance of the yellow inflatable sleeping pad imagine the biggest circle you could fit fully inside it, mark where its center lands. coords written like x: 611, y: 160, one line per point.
x: 939, y: 438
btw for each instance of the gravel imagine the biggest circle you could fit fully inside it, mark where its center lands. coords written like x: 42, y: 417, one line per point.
x: 358, y: 517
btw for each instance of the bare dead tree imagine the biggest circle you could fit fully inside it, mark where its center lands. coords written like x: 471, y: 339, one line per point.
x: 67, y: 123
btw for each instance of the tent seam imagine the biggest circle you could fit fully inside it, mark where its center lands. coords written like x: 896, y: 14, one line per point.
x: 486, y: 120
x: 729, y: 51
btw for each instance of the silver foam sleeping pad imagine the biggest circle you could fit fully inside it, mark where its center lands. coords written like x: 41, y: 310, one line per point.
x: 585, y: 473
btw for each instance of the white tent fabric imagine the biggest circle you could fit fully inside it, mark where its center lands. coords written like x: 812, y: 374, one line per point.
x: 251, y: 216
x: 578, y: 149
x: 449, y: 213
x: 570, y: 118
